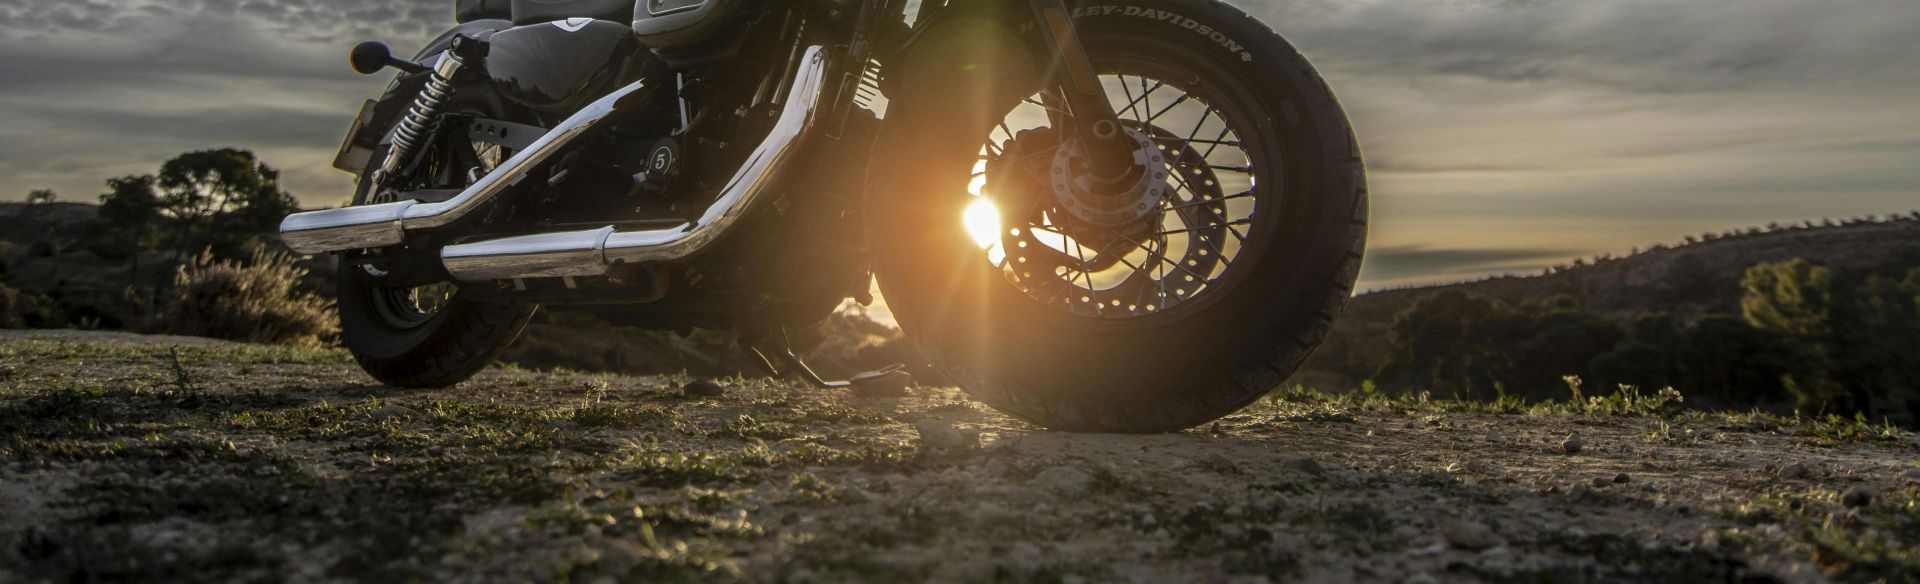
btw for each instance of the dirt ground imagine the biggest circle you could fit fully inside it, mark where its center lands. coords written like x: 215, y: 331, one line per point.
x: 156, y: 459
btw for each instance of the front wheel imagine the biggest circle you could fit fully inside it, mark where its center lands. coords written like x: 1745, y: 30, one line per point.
x: 1164, y: 309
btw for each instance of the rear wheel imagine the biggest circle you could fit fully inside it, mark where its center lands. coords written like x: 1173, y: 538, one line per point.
x: 431, y: 335
x: 1157, y: 311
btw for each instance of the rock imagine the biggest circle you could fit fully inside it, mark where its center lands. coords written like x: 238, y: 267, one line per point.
x: 702, y: 388
x: 938, y: 436
x: 1066, y: 481
x: 1621, y: 479
x: 1602, y: 482
x: 390, y: 412
x: 1470, y: 536
x: 1857, y: 497
x: 1572, y: 444
x: 1912, y: 476
x: 1579, y: 493
x: 1793, y: 471
x: 1422, y: 578
x: 1303, y: 464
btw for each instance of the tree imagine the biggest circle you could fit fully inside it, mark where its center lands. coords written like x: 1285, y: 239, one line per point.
x: 1436, y: 346
x: 1722, y: 359
x: 1469, y: 346
x: 126, y: 222
x: 1796, y: 298
x: 220, y: 199
x: 54, y: 240
x: 1877, y: 337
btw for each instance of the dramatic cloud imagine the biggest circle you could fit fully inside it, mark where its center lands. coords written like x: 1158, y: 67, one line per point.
x: 1502, y: 134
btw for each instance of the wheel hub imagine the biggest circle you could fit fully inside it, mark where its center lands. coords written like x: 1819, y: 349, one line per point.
x: 1084, y: 196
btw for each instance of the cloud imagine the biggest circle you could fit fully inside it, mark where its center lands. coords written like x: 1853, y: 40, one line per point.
x: 1391, y: 266
x: 1493, y: 128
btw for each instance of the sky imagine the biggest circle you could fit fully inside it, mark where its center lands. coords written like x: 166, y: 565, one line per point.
x: 1501, y: 135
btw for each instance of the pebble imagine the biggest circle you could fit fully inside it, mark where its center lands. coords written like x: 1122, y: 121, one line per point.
x: 1857, y: 497
x: 389, y: 412
x: 1793, y: 471
x: 1066, y: 481
x: 1303, y: 464
x: 1470, y: 536
x: 1621, y: 479
x: 939, y: 436
x: 1602, y: 482
x: 703, y: 388
x: 1422, y: 578
x: 1579, y: 492
x: 1912, y: 476
x: 1572, y: 444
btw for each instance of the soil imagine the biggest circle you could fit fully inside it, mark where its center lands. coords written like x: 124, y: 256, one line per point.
x: 164, y: 459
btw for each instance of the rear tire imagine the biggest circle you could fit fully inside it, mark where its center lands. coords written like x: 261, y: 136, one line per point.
x: 408, y: 348
x: 1161, y: 373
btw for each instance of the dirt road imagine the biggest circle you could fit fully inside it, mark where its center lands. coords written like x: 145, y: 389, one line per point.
x: 150, y: 458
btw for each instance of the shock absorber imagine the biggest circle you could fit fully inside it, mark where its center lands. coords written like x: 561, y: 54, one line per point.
x: 423, y: 116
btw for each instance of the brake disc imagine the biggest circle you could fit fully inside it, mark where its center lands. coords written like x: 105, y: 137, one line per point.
x: 1093, y: 270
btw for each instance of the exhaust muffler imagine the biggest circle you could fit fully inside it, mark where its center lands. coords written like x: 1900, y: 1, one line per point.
x: 596, y: 252
x: 370, y: 226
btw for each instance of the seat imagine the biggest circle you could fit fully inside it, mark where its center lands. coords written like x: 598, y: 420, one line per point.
x: 538, y: 11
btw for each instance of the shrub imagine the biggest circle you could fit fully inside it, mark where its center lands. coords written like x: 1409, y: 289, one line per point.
x: 256, y: 302
x: 22, y: 310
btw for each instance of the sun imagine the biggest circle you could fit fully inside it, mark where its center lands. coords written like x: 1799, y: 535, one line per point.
x: 982, y: 219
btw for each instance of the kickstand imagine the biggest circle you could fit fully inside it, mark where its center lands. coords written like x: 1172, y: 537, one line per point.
x: 888, y: 381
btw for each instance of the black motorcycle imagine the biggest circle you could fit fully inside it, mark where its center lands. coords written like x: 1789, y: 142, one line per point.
x: 1109, y: 215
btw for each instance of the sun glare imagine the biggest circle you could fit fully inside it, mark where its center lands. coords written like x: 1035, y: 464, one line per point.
x: 983, y: 222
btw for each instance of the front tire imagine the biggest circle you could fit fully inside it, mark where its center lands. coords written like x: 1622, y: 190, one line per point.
x: 1163, y: 370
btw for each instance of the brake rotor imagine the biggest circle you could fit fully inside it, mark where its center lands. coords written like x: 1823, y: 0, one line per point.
x: 1165, y: 255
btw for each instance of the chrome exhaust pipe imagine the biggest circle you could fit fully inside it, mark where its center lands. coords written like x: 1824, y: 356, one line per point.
x: 595, y: 252
x: 383, y: 225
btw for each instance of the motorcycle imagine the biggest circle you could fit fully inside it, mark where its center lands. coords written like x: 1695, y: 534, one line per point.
x: 1109, y: 215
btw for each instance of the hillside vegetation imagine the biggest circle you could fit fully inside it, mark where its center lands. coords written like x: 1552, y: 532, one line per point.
x: 1706, y: 317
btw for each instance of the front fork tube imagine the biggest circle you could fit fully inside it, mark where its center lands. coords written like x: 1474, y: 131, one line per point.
x: 1094, y: 118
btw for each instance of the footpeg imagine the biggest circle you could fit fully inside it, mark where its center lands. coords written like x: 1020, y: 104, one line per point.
x: 889, y: 381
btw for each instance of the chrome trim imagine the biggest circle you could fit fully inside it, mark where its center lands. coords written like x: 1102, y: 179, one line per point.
x: 348, y: 228
x: 594, y: 253
x: 552, y: 255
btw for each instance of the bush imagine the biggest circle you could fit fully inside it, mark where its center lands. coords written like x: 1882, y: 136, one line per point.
x: 22, y: 310
x: 253, y: 302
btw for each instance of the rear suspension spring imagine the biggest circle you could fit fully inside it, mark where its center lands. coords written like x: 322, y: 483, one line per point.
x: 423, y: 117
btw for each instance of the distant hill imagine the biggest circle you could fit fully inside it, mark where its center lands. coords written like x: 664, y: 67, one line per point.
x: 22, y: 223
x: 1699, y: 277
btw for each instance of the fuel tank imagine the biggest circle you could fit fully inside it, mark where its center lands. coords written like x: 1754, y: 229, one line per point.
x: 559, y: 66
